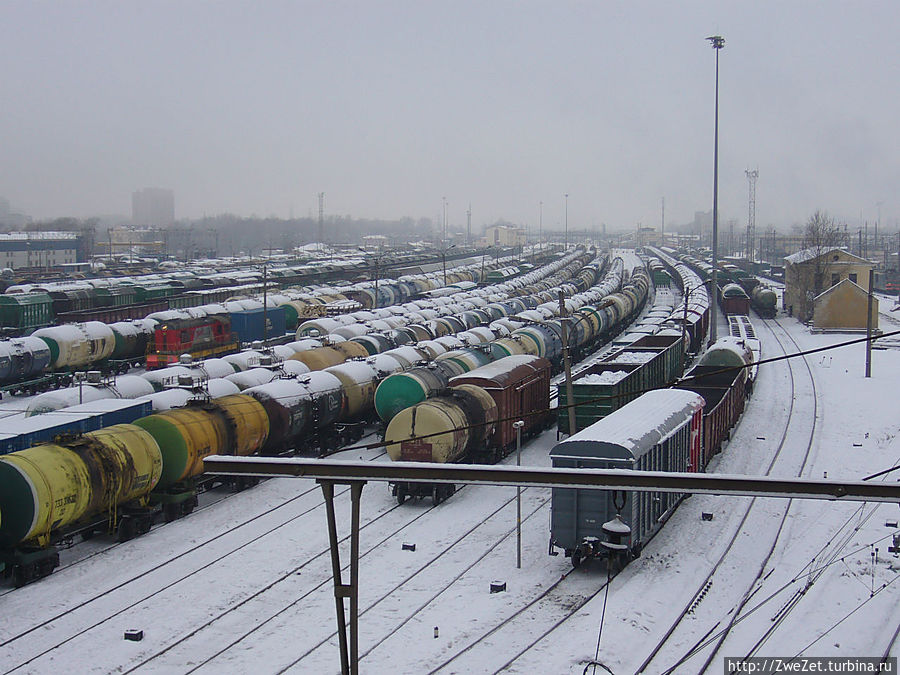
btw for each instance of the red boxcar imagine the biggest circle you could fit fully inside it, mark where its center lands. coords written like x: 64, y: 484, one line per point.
x: 734, y: 300
x: 724, y: 393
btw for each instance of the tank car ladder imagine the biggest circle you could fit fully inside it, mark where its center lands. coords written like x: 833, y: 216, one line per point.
x: 349, y: 657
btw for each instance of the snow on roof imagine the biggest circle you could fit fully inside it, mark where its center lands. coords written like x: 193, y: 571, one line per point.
x: 500, y: 366
x: 831, y: 289
x: 635, y: 428
x: 49, y: 235
x: 815, y: 252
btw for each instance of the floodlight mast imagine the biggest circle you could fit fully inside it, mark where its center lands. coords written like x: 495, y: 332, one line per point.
x: 717, y: 42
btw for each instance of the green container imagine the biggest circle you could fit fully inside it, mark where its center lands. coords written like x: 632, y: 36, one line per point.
x: 598, y: 391
x: 25, y: 311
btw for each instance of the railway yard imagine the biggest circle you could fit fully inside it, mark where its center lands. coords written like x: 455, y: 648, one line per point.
x: 244, y: 581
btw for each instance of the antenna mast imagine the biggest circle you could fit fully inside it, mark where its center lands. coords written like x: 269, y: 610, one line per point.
x: 751, y: 216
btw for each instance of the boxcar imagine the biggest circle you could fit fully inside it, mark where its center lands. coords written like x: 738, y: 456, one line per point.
x: 113, y: 314
x: 23, y: 312
x: 582, y: 521
x: 520, y: 386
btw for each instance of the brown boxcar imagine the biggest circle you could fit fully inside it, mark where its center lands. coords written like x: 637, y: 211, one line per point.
x: 520, y: 386
x: 113, y: 314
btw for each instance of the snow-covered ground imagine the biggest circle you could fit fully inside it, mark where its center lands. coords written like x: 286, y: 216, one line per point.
x: 245, y: 585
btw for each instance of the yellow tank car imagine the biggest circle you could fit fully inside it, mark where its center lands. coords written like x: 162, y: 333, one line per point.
x: 52, y: 486
x: 231, y: 425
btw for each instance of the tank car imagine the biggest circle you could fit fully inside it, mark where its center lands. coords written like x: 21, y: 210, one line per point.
x: 764, y: 301
x: 23, y: 358
x: 56, y: 490
x: 77, y: 345
x: 473, y: 421
x: 728, y: 353
x: 402, y: 390
x: 235, y: 425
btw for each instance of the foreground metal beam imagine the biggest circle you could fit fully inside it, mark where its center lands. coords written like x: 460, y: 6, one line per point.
x: 592, y: 479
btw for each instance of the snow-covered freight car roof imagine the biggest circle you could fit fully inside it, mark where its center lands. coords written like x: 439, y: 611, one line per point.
x: 635, y: 428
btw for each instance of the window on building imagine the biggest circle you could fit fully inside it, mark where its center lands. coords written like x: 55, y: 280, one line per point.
x: 835, y: 278
x: 852, y: 277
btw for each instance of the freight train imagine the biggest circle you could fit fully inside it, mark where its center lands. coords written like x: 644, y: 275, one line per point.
x: 27, y: 306
x: 202, y: 312
x: 312, y: 411
x: 122, y: 478
x: 219, y: 376
x: 473, y: 420
x: 470, y: 416
x: 679, y: 429
x: 590, y: 325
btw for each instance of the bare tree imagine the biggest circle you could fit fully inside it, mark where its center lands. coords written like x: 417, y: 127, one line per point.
x: 820, y: 236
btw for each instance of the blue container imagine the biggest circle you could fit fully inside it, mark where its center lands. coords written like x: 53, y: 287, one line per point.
x: 248, y: 324
x: 20, y: 434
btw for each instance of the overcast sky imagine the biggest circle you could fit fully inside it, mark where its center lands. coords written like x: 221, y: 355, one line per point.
x: 387, y: 107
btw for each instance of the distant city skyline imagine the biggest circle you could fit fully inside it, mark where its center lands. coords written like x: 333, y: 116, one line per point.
x: 391, y: 107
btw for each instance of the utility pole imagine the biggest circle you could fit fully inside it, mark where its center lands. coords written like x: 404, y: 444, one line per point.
x: 541, y: 226
x: 662, y: 224
x: 265, y: 305
x: 717, y: 42
x: 869, y: 324
x: 321, y: 221
x: 469, y: 224
x: 567, y: 363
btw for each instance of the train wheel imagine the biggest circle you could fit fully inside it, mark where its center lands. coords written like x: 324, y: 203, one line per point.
x: 437, y: 495
x: 126, y: 529
x: 576, y: 559
x: 143, y: 524
x: 401, y: 494
x: 22, y: 575
x: 171, y: 512
x: 187, y: 506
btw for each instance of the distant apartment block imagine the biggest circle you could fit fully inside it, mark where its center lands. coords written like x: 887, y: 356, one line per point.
x: 153, y: 207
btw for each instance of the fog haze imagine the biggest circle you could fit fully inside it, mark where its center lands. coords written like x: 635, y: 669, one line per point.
x: 388, y: 107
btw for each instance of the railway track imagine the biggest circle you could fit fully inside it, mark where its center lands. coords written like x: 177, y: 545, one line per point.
x: 713, y: 638
x: 75, y: 553
x: 92, y: 598
x: 101, y: 607
x: 104, y: 611
x: 551, y: 608
x: 316, y: 649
